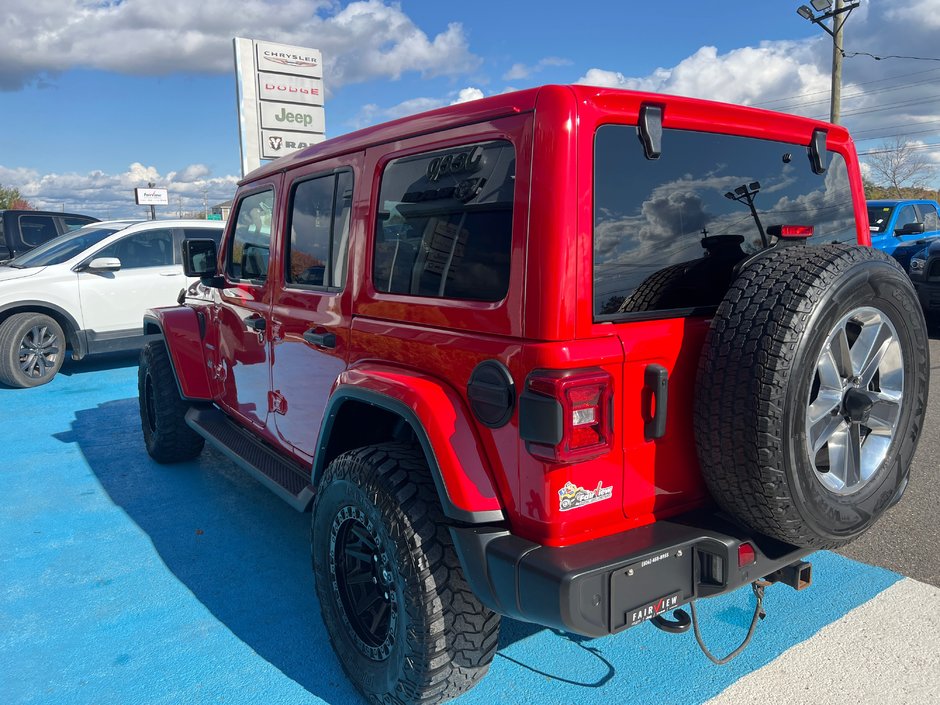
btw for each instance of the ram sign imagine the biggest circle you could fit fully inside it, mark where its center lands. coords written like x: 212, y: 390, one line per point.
x: 280, y: 99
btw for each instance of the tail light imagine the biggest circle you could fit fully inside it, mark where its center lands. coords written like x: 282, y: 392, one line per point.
x: 791, y: 232
x: 565, y: 417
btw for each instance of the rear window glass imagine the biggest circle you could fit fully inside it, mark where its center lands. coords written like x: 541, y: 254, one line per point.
x: 669, y: 232
x: 445, y: 223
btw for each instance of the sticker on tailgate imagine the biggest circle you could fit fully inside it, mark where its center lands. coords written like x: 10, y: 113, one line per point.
x: 656, y: 607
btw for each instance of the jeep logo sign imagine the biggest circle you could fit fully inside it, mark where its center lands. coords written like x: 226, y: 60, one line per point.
x: 282, y: 116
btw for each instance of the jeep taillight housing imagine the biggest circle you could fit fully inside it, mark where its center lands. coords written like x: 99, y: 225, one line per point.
x: 565, y: 417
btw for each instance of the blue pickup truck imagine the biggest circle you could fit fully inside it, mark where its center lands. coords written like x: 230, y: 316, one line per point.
x: 902, y: 228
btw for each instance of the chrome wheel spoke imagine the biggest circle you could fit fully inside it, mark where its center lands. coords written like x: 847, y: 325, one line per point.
x: 885, y: 412
x: 869, y: 350
x: 822, y: 431
x: 840, y: 351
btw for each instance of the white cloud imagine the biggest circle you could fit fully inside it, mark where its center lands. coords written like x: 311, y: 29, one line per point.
x: 467, y: 94
x: 747, y: 76
x: 520, y: 71
x: 362, y: 41
x: 371, y: 113
x: 112, y: 195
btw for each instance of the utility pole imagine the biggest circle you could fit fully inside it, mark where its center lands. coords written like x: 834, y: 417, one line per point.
x: 838, y: 14
x: 153, y: 211
x: 835, y: 95
x: 205, y: 201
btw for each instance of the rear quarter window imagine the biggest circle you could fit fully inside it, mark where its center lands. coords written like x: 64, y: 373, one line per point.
x: 444, y: 226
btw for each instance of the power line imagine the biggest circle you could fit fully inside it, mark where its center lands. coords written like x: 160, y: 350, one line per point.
x: 890, y: 56
x: 862, y: 83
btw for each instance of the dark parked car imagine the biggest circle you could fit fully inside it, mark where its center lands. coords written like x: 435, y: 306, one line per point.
x: 925, y: 273
x: 22, y: 230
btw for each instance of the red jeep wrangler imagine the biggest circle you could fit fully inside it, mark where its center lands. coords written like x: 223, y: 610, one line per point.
x: 572, y: 355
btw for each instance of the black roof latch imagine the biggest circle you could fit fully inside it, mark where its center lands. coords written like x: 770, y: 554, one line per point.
x: 650, y: 130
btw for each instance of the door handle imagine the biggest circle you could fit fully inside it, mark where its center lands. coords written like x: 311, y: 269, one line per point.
x: 320, y: 339
x: 656, y: 379
x: 256, y: 323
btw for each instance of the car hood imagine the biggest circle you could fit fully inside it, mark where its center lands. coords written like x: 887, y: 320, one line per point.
x: 10, y: 273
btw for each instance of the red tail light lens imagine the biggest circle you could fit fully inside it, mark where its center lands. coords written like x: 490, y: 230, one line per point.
x: 566, y: 417
x: 746, y: 555
x: 791, y: 232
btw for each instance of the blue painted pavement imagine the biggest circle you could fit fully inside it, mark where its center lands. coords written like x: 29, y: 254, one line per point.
x: 123, y: 581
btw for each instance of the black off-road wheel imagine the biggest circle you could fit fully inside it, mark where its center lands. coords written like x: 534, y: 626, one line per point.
x: 32, y: 350
x: 811, y: 393
x: 399, y: 613
x: 162, y: 410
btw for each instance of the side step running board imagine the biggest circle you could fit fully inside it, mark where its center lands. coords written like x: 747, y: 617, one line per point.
x: 288, y: 480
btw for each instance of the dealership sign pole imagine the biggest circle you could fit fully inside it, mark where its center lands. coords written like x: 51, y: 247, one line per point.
x: 280, y: 99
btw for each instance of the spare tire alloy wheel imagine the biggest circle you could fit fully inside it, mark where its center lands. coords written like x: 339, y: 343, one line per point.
x: 811, y: 393
x: 855, y: 401
x: 32, y: 348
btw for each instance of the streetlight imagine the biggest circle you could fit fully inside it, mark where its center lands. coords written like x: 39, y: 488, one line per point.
x: 838, y: 23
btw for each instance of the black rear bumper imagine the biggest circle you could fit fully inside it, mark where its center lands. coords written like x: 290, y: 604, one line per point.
x: 603, y: 586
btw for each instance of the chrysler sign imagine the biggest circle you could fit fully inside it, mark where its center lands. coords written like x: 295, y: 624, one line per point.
x: 280, y: 100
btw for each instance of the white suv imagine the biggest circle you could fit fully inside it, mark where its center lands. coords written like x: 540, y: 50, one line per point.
x: 87, y: 291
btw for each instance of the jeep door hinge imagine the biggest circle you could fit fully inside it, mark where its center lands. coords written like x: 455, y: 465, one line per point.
x: 277, y: 403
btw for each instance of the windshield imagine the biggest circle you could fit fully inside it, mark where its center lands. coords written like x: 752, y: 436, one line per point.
x: 64, y: 247
x: 669, y: 232
x: 878, y: 217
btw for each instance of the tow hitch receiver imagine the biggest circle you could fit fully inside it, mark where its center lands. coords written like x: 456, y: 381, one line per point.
x: 797, y: 575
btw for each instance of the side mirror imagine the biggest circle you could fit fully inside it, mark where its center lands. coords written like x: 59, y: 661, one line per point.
x: 103, y: 264
x: 910, y: 229
x: 200, y: 258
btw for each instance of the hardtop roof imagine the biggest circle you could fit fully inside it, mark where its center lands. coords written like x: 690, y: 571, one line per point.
x: 605, y: 99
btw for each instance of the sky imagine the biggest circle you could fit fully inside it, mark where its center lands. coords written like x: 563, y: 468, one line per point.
x: 100, y: 97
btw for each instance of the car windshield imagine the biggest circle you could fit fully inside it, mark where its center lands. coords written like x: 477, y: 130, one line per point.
x: 64, y: 247
x: 878, y: 217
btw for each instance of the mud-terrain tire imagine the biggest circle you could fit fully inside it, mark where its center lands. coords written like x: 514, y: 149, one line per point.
x: 819, y: 348
x: 162, y: 409
x: 378, y: 539
x: 32, y: 350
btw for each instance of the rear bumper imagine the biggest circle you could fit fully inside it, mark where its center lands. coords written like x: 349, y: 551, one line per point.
x: 606, y: 585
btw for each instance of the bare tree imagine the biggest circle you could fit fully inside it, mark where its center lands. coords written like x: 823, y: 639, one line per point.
x: 900, y: 163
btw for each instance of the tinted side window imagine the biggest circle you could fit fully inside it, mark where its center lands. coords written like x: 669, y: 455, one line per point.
x: 669, y: 232
x: 74, y: 223
x: 153, y: 248
x: 319, y: 231
x: 905, y: 215
x: 37, y: 229
x: 444, y: 226
x: 929, y: 217
x: 248, y: 255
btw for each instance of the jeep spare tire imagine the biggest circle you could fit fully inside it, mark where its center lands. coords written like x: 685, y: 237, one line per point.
x: 811, y: 392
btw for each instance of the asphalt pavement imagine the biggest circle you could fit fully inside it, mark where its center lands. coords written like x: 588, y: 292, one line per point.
x: 907, y: 538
